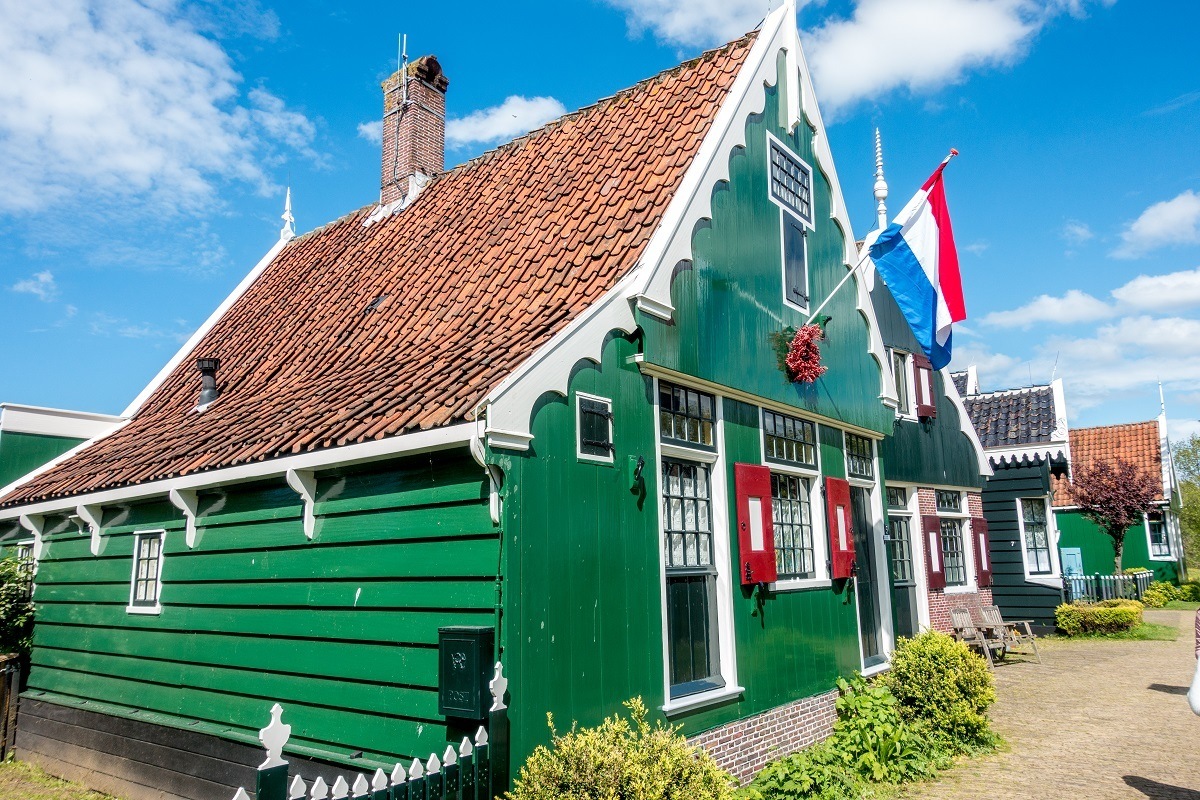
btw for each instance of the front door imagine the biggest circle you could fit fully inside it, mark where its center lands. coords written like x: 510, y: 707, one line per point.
x: 1072, y: 560
x: 904, y: 585
x: 866, y: 577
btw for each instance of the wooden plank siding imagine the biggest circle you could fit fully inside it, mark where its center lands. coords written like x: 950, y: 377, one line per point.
x: 1097, y: 548
x: 1016, y: 597
x: 21, y: 453
x: 337, y: 629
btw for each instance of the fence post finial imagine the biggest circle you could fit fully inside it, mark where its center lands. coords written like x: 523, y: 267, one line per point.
x: 399, y: 775
x: 320, y: 790
x: 274, y: 737
x: 341, y: 789
x: 481, y: 737
x: 361, y: 787
x: 449, y: 757
x: 498, y: 686
x: 466, y: 748
x: 297, y: 791
x: 416, y: 770
x: 379, y: 781
x: 241, y: 795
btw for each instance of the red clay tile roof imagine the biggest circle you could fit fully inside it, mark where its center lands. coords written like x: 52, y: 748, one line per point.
x: 1135, y: 442
x: 493, y: 259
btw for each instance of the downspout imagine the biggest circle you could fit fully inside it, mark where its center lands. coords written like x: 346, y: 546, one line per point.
x: 495, y: 478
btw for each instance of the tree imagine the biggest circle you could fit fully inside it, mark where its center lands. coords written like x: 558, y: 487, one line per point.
x: 1187, y: 466
x: 1115, y: 496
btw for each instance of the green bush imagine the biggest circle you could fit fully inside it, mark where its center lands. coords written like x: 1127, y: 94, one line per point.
x: 940, y: 683
x: 621, y: 759
x: 16, y: 610
x: 1167, y: 589
x: 871, y: 744
x: 1155, y: 598
x: 1108, y: 616
x: 1189, y: 592
x: 1135, y: 570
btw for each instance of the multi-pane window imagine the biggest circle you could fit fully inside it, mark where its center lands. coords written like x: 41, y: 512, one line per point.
x: 795, y: 556
x: 860, y: 461
x: 1160, y: 545
x: 899, y: 546
x: 686, y: 416
x: 900, y: 373
x: 595, y: 427
x: 687, y: 514
x: 954, y: 559
x: 949, y: 501
x: 795, y: 261
x: 1037, y: 536
x: 897, y: 497
x: 25, y: 558
x: 791, y: 182
x: 147, y: 567
x: 789, y: 439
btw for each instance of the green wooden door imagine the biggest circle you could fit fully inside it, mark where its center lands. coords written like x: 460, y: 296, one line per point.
x: 866, y: 579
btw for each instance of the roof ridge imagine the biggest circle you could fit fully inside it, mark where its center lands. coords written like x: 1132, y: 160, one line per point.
x: 1115, y: 425
x: 1001, y: 392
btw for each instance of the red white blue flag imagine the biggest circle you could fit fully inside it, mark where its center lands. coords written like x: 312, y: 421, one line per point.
x: 916, y: 257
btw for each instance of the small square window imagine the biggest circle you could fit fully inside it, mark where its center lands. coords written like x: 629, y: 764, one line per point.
x: 595, y: 427
x: 789, y: 439
x: 949, y: 501
x: 860, y: 461
x: 147, y: 571
x: 791, y: 182
x: 686, y: 416
x: 897, y: 497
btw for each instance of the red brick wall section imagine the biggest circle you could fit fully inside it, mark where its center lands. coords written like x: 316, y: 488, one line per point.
x: 414, y: 138
x: 744, y: 747
x: 941, y: 603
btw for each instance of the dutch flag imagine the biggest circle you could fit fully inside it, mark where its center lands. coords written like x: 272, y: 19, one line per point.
x: 916, y: 257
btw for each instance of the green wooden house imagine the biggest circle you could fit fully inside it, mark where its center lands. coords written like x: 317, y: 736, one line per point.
x: 538, y: 393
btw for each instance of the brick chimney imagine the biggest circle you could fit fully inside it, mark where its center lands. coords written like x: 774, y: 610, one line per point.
x: 414, y: 128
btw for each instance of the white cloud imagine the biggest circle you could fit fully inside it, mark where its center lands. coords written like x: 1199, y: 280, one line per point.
x: 1077, y: 232
x: 993, y: 367
x: 41, y: 285
x: 1180, y: 430
x: 1160, y: 292
x: 515, y: 116
x: 977, y: 248
x: 103, y: 324
x: 1074, y: 306
x: 119, y: 98
x: 1174, y: 221
x: 692, y: 23
x: 371, y: 131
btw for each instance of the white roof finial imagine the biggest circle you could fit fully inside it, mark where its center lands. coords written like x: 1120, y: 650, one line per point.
x: 881, y: 187
x: 288, y: 231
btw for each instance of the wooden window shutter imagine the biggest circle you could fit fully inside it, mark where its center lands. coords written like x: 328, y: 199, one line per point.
x: 841, y: 528
x: 756, y: 529
x: 983, y: 555
x: 923, y: 380
x: 935, y: 562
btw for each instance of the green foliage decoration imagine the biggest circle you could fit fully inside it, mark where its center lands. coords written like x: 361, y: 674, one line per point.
x: 1107, y: 616
x: 621, y: 759
x: 16, y: 609
x: 939, y: 682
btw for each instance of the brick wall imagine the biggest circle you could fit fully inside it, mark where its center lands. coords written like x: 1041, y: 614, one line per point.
x: 414, y: 133
x: 940, y: 603
x: 744, y: 747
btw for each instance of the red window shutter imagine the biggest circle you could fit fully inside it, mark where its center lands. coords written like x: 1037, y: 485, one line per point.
x: 841, y: 527
x: 983, y: 554
x: 923, y: 379
x: 756, y: 528
x: 935, y: 563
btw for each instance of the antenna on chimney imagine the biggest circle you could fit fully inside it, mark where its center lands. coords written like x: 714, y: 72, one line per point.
x: 402, y: 68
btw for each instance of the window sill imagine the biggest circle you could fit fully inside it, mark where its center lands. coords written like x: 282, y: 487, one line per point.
x: 693, y: 701
x: 1045, y: 580
x: 687, y: 453
x: 1163, y: 558
x: 798, y: 584
x: 875, y: 670
x: 150, y: 610
x: 960, y: 589
x: 584, y: 458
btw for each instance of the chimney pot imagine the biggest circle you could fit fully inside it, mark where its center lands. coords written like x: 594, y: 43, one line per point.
x: 208, y: 380
x: 414, y: 128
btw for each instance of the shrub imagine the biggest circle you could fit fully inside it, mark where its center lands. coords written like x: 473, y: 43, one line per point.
x: 1189, y: 592
x: 1167, y: 589
x: 1155, y: 598
x: 940, y: 683
x: 16, y: 609
x: 1108, y: 616
x: 621, y: 759
x: 1134, y: 570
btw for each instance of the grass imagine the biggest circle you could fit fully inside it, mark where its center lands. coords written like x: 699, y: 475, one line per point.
x: 21, y: 781
x: 1146, y: 632
x: 1182, y: 605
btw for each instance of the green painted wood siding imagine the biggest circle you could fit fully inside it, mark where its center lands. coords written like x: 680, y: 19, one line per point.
x: 729, y: 300
x: 1077, y: 530
x: 342, y: 630
x: 1017, y: 598
x: 583, y: 625
x: 21, y: 453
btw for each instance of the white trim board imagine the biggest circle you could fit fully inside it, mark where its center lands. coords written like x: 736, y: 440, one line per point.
x: 41, y: 421
x: 407, y: 444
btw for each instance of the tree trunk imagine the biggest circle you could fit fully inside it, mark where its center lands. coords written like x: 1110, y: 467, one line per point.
x: 1118, y: 549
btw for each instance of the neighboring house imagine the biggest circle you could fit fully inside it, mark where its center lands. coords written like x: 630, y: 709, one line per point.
x: 536, y: 393
x: 1024, y: 433
x: 1156, y: 542
x: 32, y: 437
x: 934, y: 467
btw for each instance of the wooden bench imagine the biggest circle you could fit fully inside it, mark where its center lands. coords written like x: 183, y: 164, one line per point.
x: 1016, y: 633
x: 966, y: 631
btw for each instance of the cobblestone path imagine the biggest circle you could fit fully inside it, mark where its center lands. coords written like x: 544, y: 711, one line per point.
x: 1095, y: 721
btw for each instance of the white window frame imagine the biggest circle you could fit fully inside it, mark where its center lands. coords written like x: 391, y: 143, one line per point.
x: 883, y: 597
x: 812, y: 181
x: 1054, y: 579
x: 816, y: 506
x: 1166, y: 533
x: 162, y: 556
x: 920, y: 547
x: 722, y: 557
x: 909, y: 378
x: 968, y: 539
x: 592, y: 457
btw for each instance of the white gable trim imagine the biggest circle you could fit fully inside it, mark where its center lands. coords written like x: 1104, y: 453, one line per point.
x: 964, y: 422
x: 41, y: 421
x: 508, y: 408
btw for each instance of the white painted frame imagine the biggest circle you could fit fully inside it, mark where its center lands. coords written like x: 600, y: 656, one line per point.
x: 138, y: 536
x: 1174, y: 555
x: 804, y: 165
x: 722, y: 556
x: 916, y: 540
x: 968, y: 542
x: 816, y: 505
x: 883, y: 595
x: 591, y: 457
x: 1054, y: 578
x: 910, y: 387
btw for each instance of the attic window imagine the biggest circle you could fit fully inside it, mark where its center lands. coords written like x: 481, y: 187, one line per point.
x: 791, y: 182
x: 595, y: 428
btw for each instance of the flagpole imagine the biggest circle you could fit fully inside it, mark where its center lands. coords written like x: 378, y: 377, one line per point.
x: 841, y: 283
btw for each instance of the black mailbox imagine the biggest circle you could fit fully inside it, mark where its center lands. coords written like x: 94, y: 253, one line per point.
x: 464, y: 670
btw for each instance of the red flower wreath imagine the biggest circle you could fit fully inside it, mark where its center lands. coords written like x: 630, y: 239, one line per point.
x: 804, y: 355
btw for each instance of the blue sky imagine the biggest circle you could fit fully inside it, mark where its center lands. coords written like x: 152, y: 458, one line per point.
x: 146, y: 147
